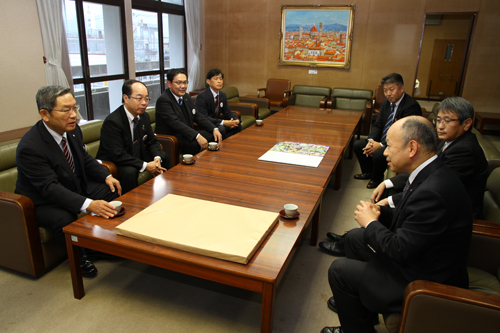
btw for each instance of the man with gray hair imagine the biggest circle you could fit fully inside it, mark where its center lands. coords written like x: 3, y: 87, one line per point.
x: 57, y: 174
x: 427, y: 237
x: 459, y: 150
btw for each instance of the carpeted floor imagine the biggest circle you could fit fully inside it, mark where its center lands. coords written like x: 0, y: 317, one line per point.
x: 127, y: 296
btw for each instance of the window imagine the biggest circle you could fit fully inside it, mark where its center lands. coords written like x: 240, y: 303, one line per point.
x: 97, y: 27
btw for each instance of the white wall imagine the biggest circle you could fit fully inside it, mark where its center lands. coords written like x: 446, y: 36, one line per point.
x: 22, y: 70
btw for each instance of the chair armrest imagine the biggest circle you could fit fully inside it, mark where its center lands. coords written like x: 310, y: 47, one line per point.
x: 287, y: 93
x: 322, y: 103
x: 333, y: 103
x: 111, y: 167
x: 261, y: 102
x: 238, y: 114
x: 20, y: 242
x: 170, y: 145
x: 329, y: 103
x: 484, y: 250
x: 258, y: 91
x: 434, y: 307
x: 247, y: 109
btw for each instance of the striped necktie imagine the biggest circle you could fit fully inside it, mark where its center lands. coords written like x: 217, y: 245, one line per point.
x: 68, y: 154
x: 216, y: 105
x: 389, y: 122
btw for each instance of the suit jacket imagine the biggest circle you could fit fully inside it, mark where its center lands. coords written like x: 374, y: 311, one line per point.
x: 205, y: 104
x: 427, y: 239
x: 116, y: 140
x: 407, y: 107
x: 44, y: 174
x: 174, y: 119
x: 466, y: 158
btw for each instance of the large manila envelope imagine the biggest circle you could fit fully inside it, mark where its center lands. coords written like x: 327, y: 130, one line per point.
x: 208, y: 228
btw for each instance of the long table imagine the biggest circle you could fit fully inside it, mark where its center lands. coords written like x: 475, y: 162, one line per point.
x: 231, y: 175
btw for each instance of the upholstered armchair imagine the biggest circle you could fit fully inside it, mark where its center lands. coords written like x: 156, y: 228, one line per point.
x: 233, y: 96
x: 378, y: 98
x: 276, y: 91
x: 355, y: 99
x: 313, y: 96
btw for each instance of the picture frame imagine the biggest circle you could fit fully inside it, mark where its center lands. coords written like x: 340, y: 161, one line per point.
x: 316, y: 35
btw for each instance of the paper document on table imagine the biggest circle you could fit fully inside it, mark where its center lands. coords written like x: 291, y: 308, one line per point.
x: 305, y: 154
x: 208, y: 228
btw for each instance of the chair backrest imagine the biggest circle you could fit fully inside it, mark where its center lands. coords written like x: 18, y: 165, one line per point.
x: 91, y: 132
x: 275, y: 88
x: 8, y: 165
x: 310, y: 95
x: 232, y: 94
x: 491, y: 209
x: 378, y: 98
x: 351, y: 99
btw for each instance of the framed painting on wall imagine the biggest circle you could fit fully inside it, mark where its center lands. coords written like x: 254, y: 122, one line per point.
x: 316, y: 35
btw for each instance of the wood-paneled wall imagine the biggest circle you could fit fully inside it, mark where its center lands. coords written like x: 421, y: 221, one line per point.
x: 242, y: 39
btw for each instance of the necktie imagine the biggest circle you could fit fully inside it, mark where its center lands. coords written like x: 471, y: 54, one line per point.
x: 68, y: 154
x: 216, y: 105
x: 135, y: 140
x: 407, y: 187
x: 180, y: 101
x: 389, y: 122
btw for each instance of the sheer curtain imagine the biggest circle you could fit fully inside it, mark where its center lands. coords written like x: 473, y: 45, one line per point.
x: 193, y: 33
x: 55, y: 45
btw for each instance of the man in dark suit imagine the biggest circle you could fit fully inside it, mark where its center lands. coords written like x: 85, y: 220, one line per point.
x: 459, y: 150
x: 427, y: 237
x: 370, y: 152
x: 176, y: 115
x: 127, y: 138
x: 212, y: 103
x: 57, y: 174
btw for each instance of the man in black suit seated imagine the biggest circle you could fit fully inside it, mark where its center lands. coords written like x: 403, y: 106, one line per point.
x: 127, y: 138
x: 459, y: 150
x: 370, y: 152
x: 57, y: 174
x: 176, y: 115
x: 212, y: 103
x: 426, y: 237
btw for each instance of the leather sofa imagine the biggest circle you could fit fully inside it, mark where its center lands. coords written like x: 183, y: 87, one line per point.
x: 313, y: 96
x: 25, y: 247
x: 355, y: 99
x: 233, y: 96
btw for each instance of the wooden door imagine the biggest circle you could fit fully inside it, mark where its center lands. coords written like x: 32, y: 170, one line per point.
x: 446, y: 64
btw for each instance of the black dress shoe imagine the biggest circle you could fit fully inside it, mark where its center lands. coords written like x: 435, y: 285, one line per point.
x: 363, y: 176
x: 372, y: 184
x: 88, y: 268
x: 336, y: 329
x: 334, y: 237
x: 333, y: 248
x: 333, y: 306
x: 94, y: 255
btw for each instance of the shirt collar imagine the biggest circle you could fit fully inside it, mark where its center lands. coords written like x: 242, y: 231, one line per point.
x: 130, y: 117
x: 397, y: 103
x: 57, y: 137
x: 215, y: 94
x: 176, y: 97
x: 415, y: 172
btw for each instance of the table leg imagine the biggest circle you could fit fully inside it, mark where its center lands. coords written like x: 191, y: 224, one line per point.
x: 315, y: 225
x: 266, y: 320
x: 74, y: 266
x: 338, y: 173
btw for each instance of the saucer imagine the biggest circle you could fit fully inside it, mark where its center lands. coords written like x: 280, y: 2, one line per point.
x: 282, y: 214
x: 259, y: 125
x: 192, y: 162
x: 212, y: 149
x: 122, y: 211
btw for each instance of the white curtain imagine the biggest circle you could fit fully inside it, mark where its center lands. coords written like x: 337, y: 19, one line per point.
x: 193, y: 33
x: 57, y: 69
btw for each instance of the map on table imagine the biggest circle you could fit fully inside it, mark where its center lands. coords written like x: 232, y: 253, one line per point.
x: 305, y: 154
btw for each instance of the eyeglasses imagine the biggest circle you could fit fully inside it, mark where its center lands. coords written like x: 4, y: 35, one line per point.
x: 141, y: 99
x: 181, y: 83
x: 75, y: 109
x: 446, y: 121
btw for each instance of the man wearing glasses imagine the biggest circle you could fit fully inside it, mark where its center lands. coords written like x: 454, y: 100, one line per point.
x: 127, y: 138
x: 176, y: 115
x: 57, y: 174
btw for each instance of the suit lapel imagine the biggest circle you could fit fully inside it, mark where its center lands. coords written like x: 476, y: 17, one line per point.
x: 125, y: 124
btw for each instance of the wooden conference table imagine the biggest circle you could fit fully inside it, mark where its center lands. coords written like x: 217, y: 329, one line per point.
x: 231, y: 175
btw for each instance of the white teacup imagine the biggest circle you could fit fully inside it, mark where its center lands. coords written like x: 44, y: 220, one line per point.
x: 291, y: 210
x: 258, y: 122
x: 212, y: 145
x: 117, y: 205
x: 187, y: 158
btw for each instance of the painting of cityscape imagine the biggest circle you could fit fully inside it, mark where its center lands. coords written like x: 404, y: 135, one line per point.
x: 316, y: 36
